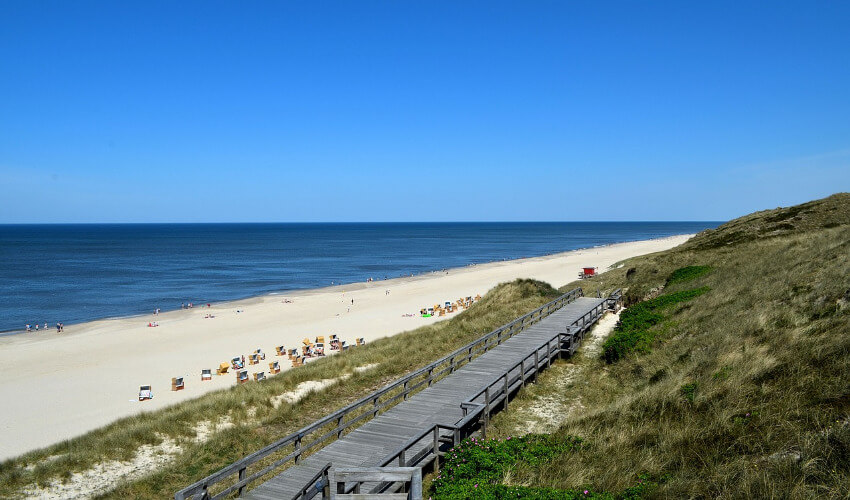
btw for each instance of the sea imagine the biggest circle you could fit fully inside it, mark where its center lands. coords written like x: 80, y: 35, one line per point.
x: 73, y: 273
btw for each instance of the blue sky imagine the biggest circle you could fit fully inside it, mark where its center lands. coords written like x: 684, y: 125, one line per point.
x: 419, y: 111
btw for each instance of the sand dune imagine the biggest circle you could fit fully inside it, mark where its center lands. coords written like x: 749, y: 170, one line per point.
x: 63, y: 385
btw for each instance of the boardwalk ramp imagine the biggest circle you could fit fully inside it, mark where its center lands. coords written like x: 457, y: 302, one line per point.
x: 398, y: 426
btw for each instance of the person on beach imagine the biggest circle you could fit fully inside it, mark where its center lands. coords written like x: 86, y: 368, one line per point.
x: 29, y: 329
x: 36, y: 327
x: 58, y: 329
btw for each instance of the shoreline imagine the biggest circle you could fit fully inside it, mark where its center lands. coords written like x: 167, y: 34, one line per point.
x: 283, y: 293
x: 64, y: 385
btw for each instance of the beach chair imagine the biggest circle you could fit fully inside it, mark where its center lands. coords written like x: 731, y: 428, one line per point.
x: 306, y: 341
x: 293, y: 353
x: 206, y: 374
x: 236, y: 363
x: 442, y: 312
x: 222, y: 369
x: 423, y: 312
x: 241, y: 376
x: 297, y: 361
x: 254, y: 359
x: 260, y: 354
x: 320, y: 339
x: 280, y: 350
x: 274, y: 367
x: 334, y: 337
x: 319, y: 349
x: 361, y: 341
x: 259, y: 377
x: 145, y: 392
x: 177, y: 384
x: 477, y: 298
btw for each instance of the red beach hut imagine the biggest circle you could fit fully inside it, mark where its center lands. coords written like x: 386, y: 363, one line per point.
x: 587, y: 272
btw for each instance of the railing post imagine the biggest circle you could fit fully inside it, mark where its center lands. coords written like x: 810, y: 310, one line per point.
x: 451, y: 365
x: 406, y: 391
x: 436, y: 449
x: 548, y: 353
x: 430, y: 376
x: 522, y: 372
x: 297, y: 449
x: 375, y: 407
x: 339, y: 426
x: 506, y: 392
x: 486, y: 412
x: 536, y: 363
x: 241, y: 478
x: 401, y: 460
x: 326, y: 490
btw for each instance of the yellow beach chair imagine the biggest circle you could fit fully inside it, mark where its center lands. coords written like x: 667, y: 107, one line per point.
x: 274, y: 367
x: 259, y: 377
x: 222, y: 368
x: 241, y: 376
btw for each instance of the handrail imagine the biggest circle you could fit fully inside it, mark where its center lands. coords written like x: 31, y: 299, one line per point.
x: 202, y: 486
x: 503, y: 391
x: 431, y: 452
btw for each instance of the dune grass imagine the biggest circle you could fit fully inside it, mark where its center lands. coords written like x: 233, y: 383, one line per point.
x: 250, y: 405
x: 745, y: 391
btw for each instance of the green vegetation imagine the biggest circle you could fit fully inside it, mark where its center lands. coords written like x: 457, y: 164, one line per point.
x: 635, y: 330
x: 741, y: 393
x: 476, y: 468
x: 258, y: 421
x: 478, y: 465
x: 687, y: 273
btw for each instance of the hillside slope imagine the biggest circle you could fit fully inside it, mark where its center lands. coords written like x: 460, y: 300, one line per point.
x: 741, y: 390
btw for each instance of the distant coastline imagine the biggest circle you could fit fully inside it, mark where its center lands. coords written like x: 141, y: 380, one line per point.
x: 278, y: 259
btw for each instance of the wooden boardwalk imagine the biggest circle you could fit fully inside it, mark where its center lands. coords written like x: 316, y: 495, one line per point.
x: 440, y: 404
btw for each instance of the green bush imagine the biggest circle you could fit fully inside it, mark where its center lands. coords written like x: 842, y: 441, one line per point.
x: 689, y: 273
x: 634, y: 330
x: 475, y: 467
x: 689, y: 391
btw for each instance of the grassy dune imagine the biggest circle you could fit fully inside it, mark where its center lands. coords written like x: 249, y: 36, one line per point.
x: 742, y: 391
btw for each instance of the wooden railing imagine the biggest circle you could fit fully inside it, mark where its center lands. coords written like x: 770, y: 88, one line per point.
x: 293, y: 447
x: 344, y: 484
x: 426, y: 448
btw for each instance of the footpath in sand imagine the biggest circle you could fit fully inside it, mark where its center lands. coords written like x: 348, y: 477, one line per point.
x: 58, y: 386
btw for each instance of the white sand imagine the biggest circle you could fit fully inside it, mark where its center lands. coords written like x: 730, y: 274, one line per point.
x: 58, y: 386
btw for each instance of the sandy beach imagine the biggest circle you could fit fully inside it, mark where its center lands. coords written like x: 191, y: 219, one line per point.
x: 62, y: 385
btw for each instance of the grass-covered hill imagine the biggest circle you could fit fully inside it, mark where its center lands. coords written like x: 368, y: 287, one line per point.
x: 729, y: 376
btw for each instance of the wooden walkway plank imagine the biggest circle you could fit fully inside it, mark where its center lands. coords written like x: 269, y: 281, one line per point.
x: 369, y: 444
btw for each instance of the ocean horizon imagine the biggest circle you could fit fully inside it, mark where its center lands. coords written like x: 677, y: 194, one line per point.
x: 73, y: 273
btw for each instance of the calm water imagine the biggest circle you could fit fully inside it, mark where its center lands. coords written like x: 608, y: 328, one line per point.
x: 74, y: 273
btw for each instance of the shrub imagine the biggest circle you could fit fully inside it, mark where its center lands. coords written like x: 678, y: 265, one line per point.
x: 689, y: 273
x: 634, y: 330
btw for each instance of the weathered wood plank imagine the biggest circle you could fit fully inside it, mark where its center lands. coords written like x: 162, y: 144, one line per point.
x: 437, y: 404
